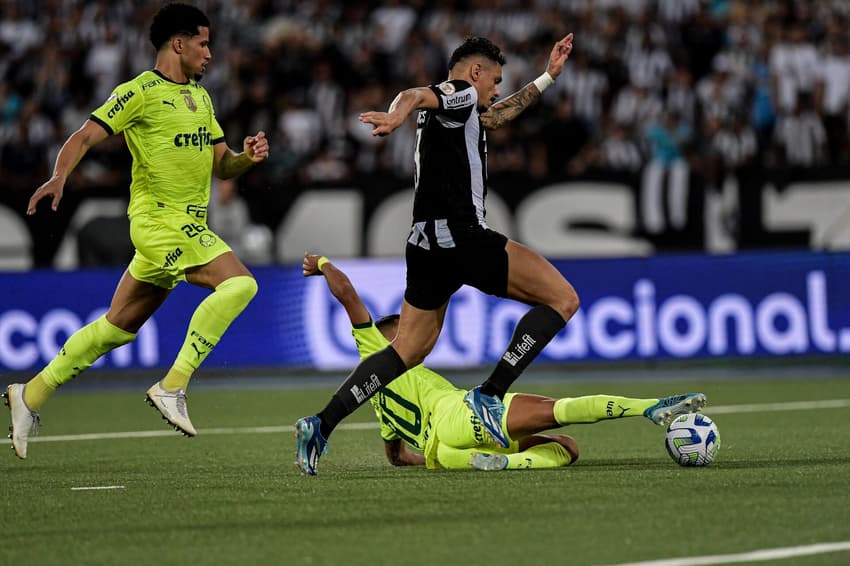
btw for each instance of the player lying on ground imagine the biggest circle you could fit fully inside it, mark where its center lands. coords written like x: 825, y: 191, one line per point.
x: 421, y: 410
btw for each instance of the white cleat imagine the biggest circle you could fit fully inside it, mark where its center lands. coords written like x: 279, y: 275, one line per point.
x: 172, y: 406
x: 488, y: 462
x: 24, y: 421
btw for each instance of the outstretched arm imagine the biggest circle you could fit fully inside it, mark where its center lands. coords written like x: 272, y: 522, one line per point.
x: 506, y: 110
x: 228, y: 164
x: 339, y: 285
x: 406, y: 102
x: 75, y: 147
x: 399, y: 454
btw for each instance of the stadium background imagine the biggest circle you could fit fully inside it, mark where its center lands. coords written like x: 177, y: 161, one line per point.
x: 687, y: 172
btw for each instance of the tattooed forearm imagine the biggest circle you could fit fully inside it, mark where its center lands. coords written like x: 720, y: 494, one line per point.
x: 233, y: 165
x: 506, y: 110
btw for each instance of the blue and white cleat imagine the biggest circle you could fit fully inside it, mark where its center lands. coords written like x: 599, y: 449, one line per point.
x: 489, y: 410
x: 310, y: 445
x: 662, y: 413
x: 487, y: 462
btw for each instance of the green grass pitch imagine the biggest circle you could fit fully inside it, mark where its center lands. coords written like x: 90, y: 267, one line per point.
x: 232, y: 496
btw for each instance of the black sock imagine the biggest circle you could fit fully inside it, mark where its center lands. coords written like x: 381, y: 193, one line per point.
x: 533, y: 331
x: 367, y: 378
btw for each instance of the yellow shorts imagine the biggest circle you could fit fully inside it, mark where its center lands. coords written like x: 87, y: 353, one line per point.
x: 456, y: 426
x: 167, y: 243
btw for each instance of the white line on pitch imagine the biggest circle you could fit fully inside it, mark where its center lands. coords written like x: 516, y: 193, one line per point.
x: 754, y: 556
x: 97, y: 487
x: 710, y: 410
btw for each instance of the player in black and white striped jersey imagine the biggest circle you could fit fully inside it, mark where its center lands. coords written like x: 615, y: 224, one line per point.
x: 450, y: 244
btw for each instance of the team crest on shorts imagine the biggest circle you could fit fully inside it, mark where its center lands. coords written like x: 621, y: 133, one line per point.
x: 187, y: 98
x: 207, y: 240
x: 447, y: 88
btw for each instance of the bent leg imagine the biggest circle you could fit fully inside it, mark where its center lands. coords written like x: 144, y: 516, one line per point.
x: 132, y: 304
x: 546, y: 452
x: 234, y: 287
x: 533, y: 280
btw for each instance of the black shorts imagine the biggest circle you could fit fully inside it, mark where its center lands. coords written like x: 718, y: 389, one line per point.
x: 478, y: 259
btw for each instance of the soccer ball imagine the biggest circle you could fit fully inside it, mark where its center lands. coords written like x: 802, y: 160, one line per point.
x: 692, y: 440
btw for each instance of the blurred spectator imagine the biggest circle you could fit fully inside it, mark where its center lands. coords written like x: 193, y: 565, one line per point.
x: 832, y: 94
x: 800, y: 135
x: 302, y: 71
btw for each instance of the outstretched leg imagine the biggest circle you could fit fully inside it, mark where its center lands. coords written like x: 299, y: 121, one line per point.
x: 132, y: 304
x: 234, y: 287
x: 533, y: 280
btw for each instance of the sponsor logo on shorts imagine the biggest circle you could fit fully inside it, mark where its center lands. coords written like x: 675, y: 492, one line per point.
x: 120, y: 101
x: 171, y: 258
x: 370, y: 387
x: 477, y: 429
x: 459, y: 100
x: 513, y: 357
x: 207, y: 240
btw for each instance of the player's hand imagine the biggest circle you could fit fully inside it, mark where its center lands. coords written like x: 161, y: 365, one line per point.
x: 559, y: 55
x: 256, y: 147
x: 310, y: 266
x: 382, y: 122
x: 52, y: 188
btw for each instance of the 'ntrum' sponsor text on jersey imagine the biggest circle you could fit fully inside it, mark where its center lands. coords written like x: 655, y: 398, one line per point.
x: 451, y: 158
x: 170, y: 129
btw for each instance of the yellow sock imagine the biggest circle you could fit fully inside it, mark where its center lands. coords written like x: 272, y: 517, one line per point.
x: 210, y: 320
x: 540, y: 456
x: 593, y: 408
x: 82, y: 349
x: 37, y: 392
x: 175, y: 380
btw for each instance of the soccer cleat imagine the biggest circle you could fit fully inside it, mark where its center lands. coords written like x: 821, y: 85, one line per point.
x: 662, y: 413
x: 487, y: 462
x: 172, y: 407
x: 25, y: 422
x: 489, y: 411
x: 310, y: 445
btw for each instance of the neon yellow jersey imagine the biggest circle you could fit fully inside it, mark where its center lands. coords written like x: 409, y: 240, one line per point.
x: 170, y: 129
x: 405, y: 406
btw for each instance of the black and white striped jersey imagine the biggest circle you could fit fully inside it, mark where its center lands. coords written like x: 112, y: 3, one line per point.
x: 451, y: 160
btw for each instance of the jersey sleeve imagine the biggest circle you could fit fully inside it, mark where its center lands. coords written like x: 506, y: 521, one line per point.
x: 124, y: 107
x: 457, y: 99
x: 216, y: 131
x: 369, y: 339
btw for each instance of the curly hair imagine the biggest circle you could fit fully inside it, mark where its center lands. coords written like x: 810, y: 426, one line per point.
x: 176, y: 19
x: 473, y: 45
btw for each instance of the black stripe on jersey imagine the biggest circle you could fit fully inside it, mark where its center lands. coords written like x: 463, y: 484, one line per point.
x: 102, y: 124
x: 217, y: 140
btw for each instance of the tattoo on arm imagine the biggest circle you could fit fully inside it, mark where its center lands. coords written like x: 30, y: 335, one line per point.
x: 233, y: 164
x: 506, y: 110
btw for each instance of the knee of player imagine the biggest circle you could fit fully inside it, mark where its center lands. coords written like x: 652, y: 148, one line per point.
x: 571, y: 446
x: 567, y: 304
x: 243, y: 288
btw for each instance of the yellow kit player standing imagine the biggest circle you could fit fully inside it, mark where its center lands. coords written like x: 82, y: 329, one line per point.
x: 170, y: 127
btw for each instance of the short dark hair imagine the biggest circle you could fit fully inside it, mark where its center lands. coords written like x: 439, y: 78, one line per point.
x: 386, y: 321
x: 176, y: 19
x: 473, y: 45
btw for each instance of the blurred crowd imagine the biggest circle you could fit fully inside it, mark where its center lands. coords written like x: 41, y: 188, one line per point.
x: 722, y: 84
